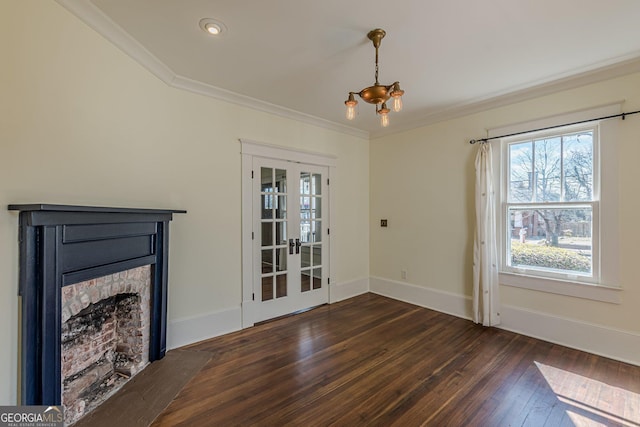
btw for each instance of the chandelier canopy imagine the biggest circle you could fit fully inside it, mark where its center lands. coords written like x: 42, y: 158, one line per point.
x: 377, y: 94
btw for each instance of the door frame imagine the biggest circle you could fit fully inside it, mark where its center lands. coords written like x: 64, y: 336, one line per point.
x: 249, y: 150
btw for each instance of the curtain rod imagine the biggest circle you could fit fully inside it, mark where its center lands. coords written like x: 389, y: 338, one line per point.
x: 623, y: 115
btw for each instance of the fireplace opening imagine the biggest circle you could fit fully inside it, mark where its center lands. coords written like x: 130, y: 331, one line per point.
x: 104, y: 338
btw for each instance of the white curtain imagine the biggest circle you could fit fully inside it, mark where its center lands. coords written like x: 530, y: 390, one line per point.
x: 485, y: 250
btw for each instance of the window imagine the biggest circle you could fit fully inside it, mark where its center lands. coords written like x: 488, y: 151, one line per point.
x: 550, y: 204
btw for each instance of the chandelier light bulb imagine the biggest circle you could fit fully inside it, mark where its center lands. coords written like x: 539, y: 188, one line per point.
x: 384, y: 115
x: 396, y: 94
x: 351, y: 112
x: 384, y: 120
x: 351, y: 107
x: 397, y: 103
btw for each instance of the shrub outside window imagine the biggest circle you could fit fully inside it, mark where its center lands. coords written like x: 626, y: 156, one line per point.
x: 551, y: 211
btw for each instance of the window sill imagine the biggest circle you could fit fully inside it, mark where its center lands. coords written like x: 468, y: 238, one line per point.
x: 562, y: 287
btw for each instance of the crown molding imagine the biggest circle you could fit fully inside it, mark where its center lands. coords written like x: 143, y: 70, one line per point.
x: 91, y: 15
x: 604, y: 71
x: 256, y: 104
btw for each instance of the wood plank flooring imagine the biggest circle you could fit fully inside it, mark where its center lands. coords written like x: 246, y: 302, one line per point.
x: 374, y: 361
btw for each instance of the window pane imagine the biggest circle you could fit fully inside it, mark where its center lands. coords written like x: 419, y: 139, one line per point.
x: 520, y: 172
x: 305, y: 231
x: 548, y: 164
x: 551, y: 239
x: 305, y: 280
x: 267, y: 261
x: 578, y: 166
x: 267, y: 206
x: 281, y: 206
x: 281, y: 285
x: 281, y: 233
x: 267, y: 288
x: 281, y: 259
x: 281, y: 181
x: 305, y: 183
x: 305, y: 259
x: 316, y: 207
x: 317, y: 255
x: 267, y: 234
x: 317, y: 278
x: 316, y: 231
x: 316, y: 187
x: 266, y: 180
x: 305, y: 203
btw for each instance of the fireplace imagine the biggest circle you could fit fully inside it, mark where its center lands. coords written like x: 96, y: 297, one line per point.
x: 65, y: 253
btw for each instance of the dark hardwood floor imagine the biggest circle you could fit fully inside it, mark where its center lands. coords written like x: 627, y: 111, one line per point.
x: 374, y: 361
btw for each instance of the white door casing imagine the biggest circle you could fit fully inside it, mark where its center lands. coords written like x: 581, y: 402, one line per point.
x: 286, y: 241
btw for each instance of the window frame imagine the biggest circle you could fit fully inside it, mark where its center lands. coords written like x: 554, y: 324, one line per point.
x: 594, y: 203
x: 589, y: 287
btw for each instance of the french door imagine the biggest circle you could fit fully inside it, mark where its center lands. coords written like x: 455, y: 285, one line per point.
x: 290, y: 238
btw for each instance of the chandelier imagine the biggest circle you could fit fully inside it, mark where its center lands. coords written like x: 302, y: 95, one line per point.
x: 377, y: 94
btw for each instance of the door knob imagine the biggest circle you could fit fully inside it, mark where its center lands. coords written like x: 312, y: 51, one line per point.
x: 298, y: 244
x: 291, y: 245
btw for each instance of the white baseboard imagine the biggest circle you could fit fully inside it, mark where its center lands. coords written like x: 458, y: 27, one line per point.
x: 603, y: 341
x: 434, y: 299
x: 181, y: 332
x: 342, y: 291
x: 189, y: 330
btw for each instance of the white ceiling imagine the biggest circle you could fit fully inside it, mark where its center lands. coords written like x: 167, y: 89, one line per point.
x: 300, y: 58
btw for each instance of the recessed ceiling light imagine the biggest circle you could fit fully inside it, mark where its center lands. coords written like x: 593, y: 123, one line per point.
x: 212, y: 26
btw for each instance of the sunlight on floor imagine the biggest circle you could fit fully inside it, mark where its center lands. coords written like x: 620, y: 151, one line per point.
x: 592, y: 398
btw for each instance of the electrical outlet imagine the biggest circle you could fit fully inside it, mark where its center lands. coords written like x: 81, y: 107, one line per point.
x: 403, y: 274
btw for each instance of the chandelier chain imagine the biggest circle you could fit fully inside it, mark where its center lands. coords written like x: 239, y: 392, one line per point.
x: 377, y: 67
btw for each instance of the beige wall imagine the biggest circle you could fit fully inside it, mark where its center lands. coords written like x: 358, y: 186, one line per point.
x: 422, y: 182
x: 82, y: 123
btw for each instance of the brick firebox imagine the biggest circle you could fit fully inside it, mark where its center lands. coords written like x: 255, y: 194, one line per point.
x: 105, y: 337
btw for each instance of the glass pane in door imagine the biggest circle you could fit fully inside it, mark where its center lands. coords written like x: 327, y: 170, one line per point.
x: 267, y: 288
x: 267, y: 261
x: 281, y: 232
x: 267, y: 233
x: 281, y: 181
x: 281, y: 259
x: 310, y: 231
x: 316, y: 184
x: 281, y: 285
x: 305, y: 280
x: 317, y: 278
x: 273, y: 233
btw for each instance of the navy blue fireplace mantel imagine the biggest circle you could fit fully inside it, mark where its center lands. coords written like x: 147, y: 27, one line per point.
x: 61, y: 245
